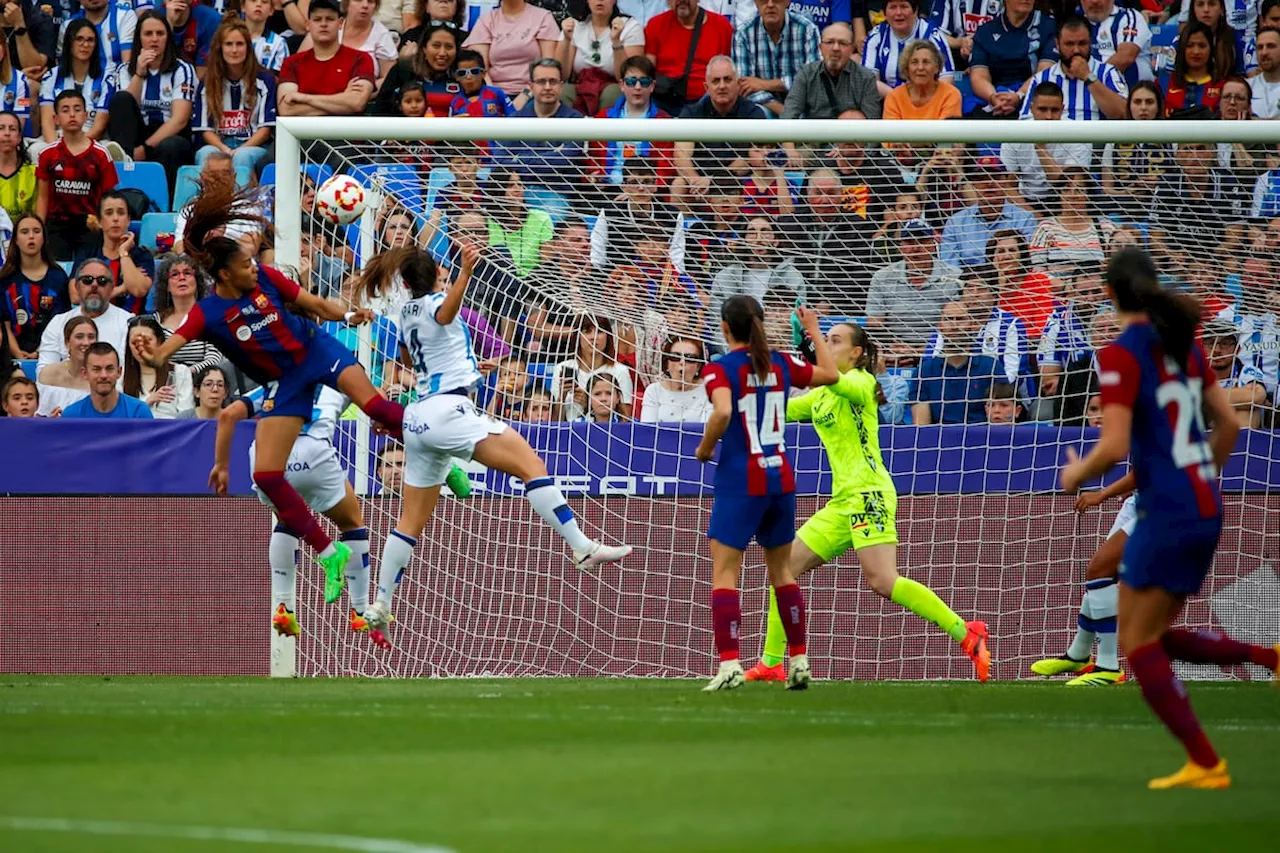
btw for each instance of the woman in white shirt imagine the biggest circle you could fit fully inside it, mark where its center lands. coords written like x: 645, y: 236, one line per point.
x: 62, y: 384
x: 165, y: 396
x: 680, y: 395
x: 602, y: 41
x: 362, y: 30
x: 571, y: 380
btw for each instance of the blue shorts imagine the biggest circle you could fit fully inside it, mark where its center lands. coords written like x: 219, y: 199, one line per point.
x: 736, y: 518
x: 293, y: 395
x: 1170, y: 554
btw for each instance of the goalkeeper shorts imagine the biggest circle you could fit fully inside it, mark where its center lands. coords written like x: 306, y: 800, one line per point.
x: 859, y: 522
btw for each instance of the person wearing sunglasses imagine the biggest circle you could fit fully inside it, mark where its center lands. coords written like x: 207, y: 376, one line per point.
x: 91, y: 285
x: 679, y: 395
x: 637, y: 76
x: 478, y: 99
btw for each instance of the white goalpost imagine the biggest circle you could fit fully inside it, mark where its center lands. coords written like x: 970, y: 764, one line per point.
x: 606, y: 237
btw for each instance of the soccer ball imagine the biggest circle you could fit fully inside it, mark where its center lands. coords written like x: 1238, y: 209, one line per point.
x: 340, y: 200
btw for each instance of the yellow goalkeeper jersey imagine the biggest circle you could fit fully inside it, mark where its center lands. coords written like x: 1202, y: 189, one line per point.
x: 847, y: 420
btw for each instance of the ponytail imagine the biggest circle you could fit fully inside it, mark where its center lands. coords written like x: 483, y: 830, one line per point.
x: 745, y: 319
x: 870, y: 358
x: 217, y: 205
x: 415, y: 266
x: 1135, y: 285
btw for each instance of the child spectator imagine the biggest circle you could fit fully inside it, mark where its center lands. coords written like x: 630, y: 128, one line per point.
x: 411, y: 102
x: 72, y: 175
x: 20, y: 397
x: 765, y: 189
x: 605, y: 402
x: 270, y: 48
x: 1002, y: 403
x: 539, y: 408
x: 464, y: 194
x: 478, y: 99
x: 510, y: 390
x: 102, y: 370
x: 33, y: 288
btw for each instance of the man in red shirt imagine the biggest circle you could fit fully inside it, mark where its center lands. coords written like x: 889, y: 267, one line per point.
x: 71, y: 177
x: 331, y: 79
x: 666, y: 43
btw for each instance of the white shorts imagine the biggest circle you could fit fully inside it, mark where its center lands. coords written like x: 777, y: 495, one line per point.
x: 314, y: 470
x: 1126, y: 518
x: 436, y: 430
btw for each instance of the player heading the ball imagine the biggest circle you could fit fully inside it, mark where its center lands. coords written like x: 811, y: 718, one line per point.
x: 755, y: 485
x: 445, y: 422
x: 1157, y: 388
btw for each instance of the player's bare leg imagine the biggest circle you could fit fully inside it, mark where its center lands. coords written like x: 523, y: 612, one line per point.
x: 349, y: 520
x: 354, y: 382
x: 1097, y: 621
x: 416, y: 509
x: 509, y: 453
x: 726, y: 615
x: 801, y: 560
x: 274, y: 438
x: 790, y: 607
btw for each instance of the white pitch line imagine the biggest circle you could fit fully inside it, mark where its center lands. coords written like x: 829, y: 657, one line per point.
x: 213, y: 833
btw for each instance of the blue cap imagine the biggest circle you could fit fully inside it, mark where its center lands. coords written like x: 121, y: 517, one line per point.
x: 916, y: 229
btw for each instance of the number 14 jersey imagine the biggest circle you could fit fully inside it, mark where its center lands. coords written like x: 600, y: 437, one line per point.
x: 753, y: 452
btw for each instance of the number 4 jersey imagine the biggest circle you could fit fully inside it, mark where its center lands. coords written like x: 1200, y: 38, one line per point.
x: 753, y: 453
x: 1171, y: 455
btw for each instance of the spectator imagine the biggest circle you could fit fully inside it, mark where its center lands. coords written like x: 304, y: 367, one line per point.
x: 967, y: 233
x: 608, y: 159
x: 426, y: 13
x: 867, y: 178
x: 1039, y: 165
x: 1078, y: 382
x: 63, y: 383
x: 330, y: 78
x: 902, y: 25
x: 1265, y: 87
x: 604, y: 405
x: 1242, y: 380
x: 1002, y: 403
x: 269, y: 47
x: 639, y: 210
x: 31, y: 36
x: 1232, y: 52
x: 33, y: 288
x: 594, y: 50
x: 235, y: 105
x: 391, y: 468
x: 1196, y: 206
x: 91, y: 281
x: 1073, y: 236
x: 71, y: 177
x: 952, y: 388
x: 165, y: 396
x: 510, y: 390
x: 465, y: 193
x: 831, y: 242
x: 1194, y: 88
x: 21, y: 91
x: 771, y: 49
x: 523, y: 231
x: 362, y: 31
x: 908, y: 205
x: 906, y: 298
x: 178, y: 288
x: 1025, y: 293
x: 959, y: 20
x: 1130, y: 171
x: 478, y: 99
x: 20, y: 397
x: 1257, y: 313
x: 596, y: 353
x: 1064, y: 338
x: 1246, y: 159
x: 1268, y: 14
x: 17, y: 172
x: 434, y: 64
x: 1121, y: 39
x: 115, y: 26
x: 766, y: 188
x: 132, y: 267
x: 1094, y: 90
x: 150, y: 113
x: 923, y: 95
x: 761, y: 270
x: 716, y: 233
x: 539, y: 408
x: 697, y: 163
x: 835, y: 86
x: 679, y: 395
x: 556, y: 166
x: 191, y: 29
x: 1008, y: 51
x: 218, y: 167
x: 999, y: 334
x: 209, y: 392
x: 510, y: 37
x: 102, y: 369
x: 79, y: 67
x: 681, y: 43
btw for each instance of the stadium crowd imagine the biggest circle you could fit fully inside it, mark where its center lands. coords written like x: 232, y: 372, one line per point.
x: 977, y: 268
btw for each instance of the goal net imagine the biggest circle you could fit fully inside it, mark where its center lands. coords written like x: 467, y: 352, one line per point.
x: 970, y: 251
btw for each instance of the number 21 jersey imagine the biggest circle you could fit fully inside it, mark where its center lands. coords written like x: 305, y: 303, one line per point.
x: 753, y: 453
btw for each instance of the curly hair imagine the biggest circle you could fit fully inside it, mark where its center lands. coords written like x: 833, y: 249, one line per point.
x: 218, y: 204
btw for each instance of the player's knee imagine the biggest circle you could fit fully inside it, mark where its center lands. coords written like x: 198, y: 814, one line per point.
x: 881, y: 581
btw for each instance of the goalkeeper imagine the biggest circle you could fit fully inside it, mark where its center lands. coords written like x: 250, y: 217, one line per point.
x: 863, y: 502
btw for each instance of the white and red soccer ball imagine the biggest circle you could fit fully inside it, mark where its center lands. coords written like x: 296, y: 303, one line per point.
x: 340, y: 200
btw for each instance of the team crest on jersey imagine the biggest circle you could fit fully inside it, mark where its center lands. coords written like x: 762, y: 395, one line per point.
x: 452, y: 88
x: 9, y: 97
x: 491, y: 109
x: 267, y: 405
x: 261, y: 300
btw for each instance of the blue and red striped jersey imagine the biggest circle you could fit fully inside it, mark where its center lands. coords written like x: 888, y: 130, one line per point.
x: 489, y: 102
x: 1169, y: 447
x: 255, y: 331
x: 753, y: 453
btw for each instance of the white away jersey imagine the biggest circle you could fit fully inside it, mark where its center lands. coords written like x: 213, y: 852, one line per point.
x: 442, y: 355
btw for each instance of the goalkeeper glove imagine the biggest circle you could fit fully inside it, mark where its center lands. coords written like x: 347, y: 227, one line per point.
x: 800, y: 338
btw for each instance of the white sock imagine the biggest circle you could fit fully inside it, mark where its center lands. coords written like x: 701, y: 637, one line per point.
x: 548, y: 502
x: 357, y: 570
x: 1082, y: 646
x: 396, y: 553
x: 282, y: 554
x: 1104, y: 600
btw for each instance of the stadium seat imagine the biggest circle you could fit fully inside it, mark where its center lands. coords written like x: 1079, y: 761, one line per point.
x: 28, y: 366
x: 154, y: 224
x: 398, y: 179
x: 186, y: 187
x: 541, y: 371
x: 555, y: 205
x: 148, y: 177
x: 268, y: 175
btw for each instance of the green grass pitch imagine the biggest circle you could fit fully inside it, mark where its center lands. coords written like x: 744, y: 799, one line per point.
x: 610, y: 766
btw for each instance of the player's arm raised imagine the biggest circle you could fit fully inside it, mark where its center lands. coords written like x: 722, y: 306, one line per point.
x: 220, y: 476
x: 452, y: 304
x: 824, y: 369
